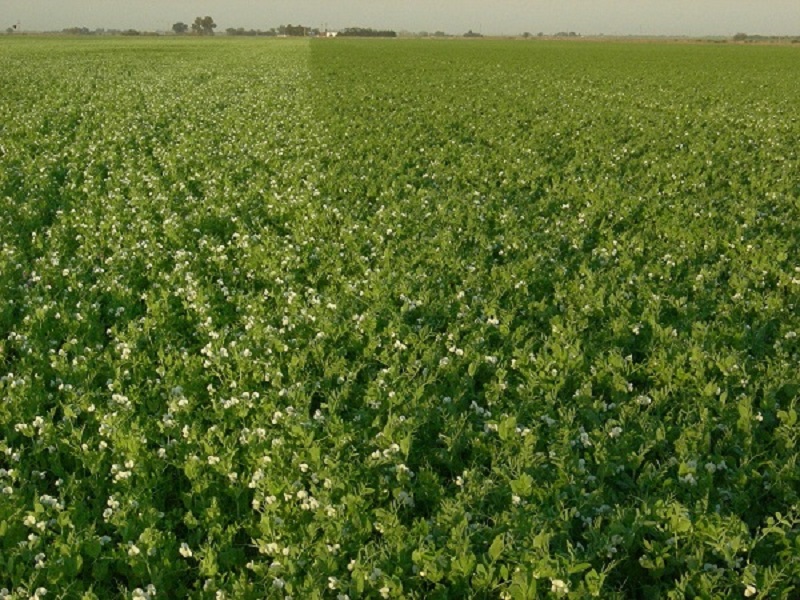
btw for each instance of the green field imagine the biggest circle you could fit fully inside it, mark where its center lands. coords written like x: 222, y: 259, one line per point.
x: 398, y: 319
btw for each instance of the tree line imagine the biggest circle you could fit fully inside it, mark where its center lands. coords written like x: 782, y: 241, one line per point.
x: 206, y: 26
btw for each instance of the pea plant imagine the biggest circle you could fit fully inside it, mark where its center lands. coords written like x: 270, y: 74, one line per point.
x: 398, y: 319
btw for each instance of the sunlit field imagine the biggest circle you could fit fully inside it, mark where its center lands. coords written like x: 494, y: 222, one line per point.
x: 398, y: 319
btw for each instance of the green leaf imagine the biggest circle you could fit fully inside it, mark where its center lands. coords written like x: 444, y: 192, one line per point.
x: 788, y: 418
x: 72, y: 565
x: 464, y: 564
x: 208, y: 564
x: 92, y: 547
x: 523, y: 586
x: 578, y: 568
x: 594, y: 582
x: 507, y: 428
x: 522, y: 486
x: 745, y: 409
x: 496, y: 549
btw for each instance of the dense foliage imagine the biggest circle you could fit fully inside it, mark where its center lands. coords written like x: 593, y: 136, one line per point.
x: 398, y: 319
x: 367, y: 32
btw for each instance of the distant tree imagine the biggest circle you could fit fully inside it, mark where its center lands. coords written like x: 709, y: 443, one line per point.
x: 180, y: 27
x: 740, y: 37
x: 367, y: 32
x: 131, y: 32
x: 293, y: 30
x: 77, y: 31
x: 240, y: 31
x: 209, y: 26
x: 472, y: 34
x: 526, y: 35
x: 203, y: 26
x: 10, y: 30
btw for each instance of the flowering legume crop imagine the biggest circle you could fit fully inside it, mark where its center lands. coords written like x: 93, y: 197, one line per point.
x: 398, y: 319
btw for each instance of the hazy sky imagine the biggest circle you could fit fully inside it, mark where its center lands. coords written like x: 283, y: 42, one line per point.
x: 667, y: 17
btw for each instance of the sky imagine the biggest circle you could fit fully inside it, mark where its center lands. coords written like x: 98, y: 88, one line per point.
x: 490, y: 17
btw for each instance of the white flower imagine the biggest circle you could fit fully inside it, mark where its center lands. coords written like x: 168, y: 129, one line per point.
x: 405, y: 498
x: 185, y: 550
x: 750, y: 591
x: 269, y: 548
x: 384, y: 592
x: 133, y: 549
x: 559, y: 587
